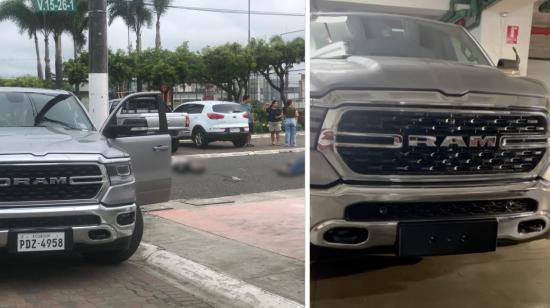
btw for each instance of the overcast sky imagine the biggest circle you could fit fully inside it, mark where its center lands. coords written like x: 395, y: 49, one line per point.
x: 200, y: 29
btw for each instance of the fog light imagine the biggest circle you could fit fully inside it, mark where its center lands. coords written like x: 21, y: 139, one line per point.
x: 99, y: 234
x: 342, y: 235
x: 126, y: 218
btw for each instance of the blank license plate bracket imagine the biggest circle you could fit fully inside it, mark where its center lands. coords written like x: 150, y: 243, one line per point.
x: 447, y: 237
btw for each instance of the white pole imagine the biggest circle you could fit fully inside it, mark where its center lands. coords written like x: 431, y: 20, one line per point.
x: 98, y: 78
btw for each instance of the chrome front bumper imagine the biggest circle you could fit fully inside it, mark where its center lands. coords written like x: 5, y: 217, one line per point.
x: 108, y: 217
x: 328, y: 205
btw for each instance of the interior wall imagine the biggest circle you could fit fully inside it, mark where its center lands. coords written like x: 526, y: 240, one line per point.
x: 493, y: 27
x: 539, y: 69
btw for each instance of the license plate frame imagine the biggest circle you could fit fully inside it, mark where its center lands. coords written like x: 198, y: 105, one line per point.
x: 14, y: 237
x: 449, y: 237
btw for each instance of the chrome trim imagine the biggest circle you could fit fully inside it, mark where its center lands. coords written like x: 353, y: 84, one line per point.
x: 80, y: 233
x: 60, y: 158
x: 396, y: 139
x: 74, y: 180
x: 333, y: 117
x: 103, y: 179
x: 328, y: 206
x: 544, y: 143
x: 385, y: 233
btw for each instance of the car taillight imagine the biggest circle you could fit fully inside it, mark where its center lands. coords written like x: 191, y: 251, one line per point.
x: 187, y: 121
x: 326, y: 140
x: 215, y: 116
x: 245, y: 115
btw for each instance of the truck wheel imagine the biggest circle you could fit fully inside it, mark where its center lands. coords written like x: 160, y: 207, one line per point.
x: 175, y: 145
x: 199, y: 138
x: 239, y: 143
x: 118, y: 256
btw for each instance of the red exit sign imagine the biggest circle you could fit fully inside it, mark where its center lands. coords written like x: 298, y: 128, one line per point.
x: 512, y: 33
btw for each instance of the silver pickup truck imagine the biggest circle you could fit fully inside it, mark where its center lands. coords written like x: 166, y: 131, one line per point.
x: 144, y: 111
x: 66, y: 185
x: 420, y: 144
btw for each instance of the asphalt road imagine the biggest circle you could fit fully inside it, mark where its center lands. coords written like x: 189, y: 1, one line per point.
x: 227, y: 176
x: 260, y: 142
x: 513, y: 276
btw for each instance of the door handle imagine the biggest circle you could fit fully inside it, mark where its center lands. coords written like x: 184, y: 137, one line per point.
x: 160, y: 148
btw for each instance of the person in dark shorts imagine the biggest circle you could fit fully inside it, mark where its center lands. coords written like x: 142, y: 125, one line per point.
x: 248, y: 106
x: 274, y: 116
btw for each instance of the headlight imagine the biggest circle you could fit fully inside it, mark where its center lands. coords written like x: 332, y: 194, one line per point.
x: 120, y: 173
x: 316, y: 119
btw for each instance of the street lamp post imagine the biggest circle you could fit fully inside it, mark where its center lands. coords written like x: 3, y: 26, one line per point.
x: 248, y: 22
x: 98, y: 77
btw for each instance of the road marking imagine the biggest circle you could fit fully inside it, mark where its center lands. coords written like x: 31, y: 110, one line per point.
x: 233, y: 154
x: 234, y: 292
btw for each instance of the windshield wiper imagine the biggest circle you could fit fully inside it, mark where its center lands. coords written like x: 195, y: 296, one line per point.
x: 52, y: 102
x: 46, y: 119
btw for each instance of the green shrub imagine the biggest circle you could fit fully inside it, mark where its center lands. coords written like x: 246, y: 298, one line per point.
x: 24, y: 82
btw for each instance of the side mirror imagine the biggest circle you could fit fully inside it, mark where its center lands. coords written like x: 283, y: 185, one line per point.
x: 129, y: 127
x: 510, y: 66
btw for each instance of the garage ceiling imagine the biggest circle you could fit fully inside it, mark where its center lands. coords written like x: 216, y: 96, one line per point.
x: 433, y: 9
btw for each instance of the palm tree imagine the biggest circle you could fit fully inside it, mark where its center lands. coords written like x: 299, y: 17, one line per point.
x: 46, y: 31
x: 27, y: 20
x: 161, y: 6
x: 77, y: 26
x: 135, y: 14
x: 57, y: 23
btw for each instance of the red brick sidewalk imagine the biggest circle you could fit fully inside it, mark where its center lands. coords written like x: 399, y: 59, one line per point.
x: 70, y: 282
x: 276, y: 225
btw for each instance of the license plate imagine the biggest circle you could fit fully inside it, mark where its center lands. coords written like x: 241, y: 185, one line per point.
x: 450, y: 237
x: 42, y: 241
x: 235, y: 130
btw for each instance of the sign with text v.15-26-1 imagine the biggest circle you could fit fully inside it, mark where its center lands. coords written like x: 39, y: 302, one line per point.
x: 53, y: 5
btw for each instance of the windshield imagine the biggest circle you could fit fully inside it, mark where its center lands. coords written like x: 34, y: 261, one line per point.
x: 19, y: 109
x: 339, y: 36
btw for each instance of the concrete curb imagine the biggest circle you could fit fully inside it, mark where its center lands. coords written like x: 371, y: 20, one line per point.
x: 231, y: 291
x: 248, y: 153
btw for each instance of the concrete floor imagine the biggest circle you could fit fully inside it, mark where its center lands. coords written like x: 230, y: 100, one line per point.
x: 513, y: 276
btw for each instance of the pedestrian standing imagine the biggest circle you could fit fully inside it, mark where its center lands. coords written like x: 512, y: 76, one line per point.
x: 275, y: 116
x: 291, y: 114
x: 248, y: 106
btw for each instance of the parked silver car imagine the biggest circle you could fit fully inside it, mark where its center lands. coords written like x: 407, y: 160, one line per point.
x: 144, y: 111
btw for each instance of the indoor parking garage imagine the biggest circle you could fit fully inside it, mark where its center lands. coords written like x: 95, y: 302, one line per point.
x: 371, y: 199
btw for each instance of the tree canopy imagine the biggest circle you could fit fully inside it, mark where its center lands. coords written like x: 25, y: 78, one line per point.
x: 275, y: 59
x: 228, y: 67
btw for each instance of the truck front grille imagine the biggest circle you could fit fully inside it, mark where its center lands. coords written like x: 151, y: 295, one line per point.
x: 437, y: 210
x: 379, y: 142
x: 49, y: 182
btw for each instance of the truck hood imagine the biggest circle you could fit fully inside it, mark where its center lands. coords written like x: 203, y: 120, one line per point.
x: 40, y: 141
x: 392, y: 73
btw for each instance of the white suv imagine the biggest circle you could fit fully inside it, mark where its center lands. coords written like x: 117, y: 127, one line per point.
x: 216, y: 121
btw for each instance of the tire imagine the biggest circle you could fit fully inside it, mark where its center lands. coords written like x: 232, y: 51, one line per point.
x: 119, y: 256
x: 199, y: 138
x: 175, y: 145
x: 239, y: 143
